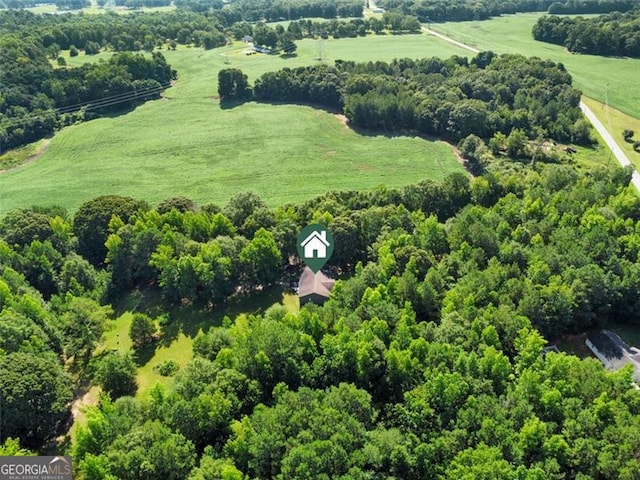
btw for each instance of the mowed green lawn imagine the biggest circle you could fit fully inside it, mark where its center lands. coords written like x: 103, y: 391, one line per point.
x: 176, y: 339
x: 604, y: 78
x: 186, y: 144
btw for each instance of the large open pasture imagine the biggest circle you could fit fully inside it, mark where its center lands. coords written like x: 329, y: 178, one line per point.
x: 187, y: 144
x: 611, y: 79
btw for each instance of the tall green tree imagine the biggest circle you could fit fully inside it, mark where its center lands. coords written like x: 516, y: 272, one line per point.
x: 262, y: 259
x: 35, y: 398
x: 116, y: 374
x: 91, y: 223
x: 233, y: 84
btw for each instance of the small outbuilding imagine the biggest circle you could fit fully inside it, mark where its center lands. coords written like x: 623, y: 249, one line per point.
x: 247, y: 39
x: 314, y: 287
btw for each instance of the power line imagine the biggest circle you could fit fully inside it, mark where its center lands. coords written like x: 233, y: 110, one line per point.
x: 93, y: 104
x: 140, y: 92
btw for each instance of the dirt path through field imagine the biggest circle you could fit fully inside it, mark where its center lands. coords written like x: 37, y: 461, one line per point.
x: 31, y: 159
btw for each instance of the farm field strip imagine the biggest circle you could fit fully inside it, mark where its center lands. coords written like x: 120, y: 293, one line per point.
x: 186, y: 144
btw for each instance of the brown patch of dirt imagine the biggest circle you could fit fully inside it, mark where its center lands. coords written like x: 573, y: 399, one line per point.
x: 88, y: 399
x: 342, y: 119
x: 32, y: 158
x: 456, y: 152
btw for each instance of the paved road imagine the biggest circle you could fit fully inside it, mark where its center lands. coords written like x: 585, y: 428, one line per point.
x: 611, y: 143
x: 615, y: 149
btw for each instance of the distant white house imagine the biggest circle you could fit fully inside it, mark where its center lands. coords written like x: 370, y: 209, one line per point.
x: 315, y: 245
x: 378, y: 10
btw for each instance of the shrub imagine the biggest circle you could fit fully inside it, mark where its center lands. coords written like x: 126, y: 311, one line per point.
x: 167, y: 368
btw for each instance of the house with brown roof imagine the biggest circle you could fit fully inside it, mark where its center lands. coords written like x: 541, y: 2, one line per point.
x: 314, y: 287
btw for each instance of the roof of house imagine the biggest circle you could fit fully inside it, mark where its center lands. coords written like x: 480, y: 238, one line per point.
x: 314, y: 283
x: 611, y: 346
x: 319, y: 235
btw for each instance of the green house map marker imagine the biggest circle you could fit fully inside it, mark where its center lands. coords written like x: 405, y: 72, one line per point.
x: 315, y: 246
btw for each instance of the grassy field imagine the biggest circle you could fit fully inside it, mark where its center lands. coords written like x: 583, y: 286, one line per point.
x: 186, y: 144
x: 598, y: 77
x: 93, y: 9
x: 176, y: 341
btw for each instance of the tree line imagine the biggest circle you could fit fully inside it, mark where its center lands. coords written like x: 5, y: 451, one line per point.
x: 358, y: 27
x: 500, y: 99
x: 613, y: 34
x: 468, y: 10
x: 273, y: 11
x: 37, y: 98
x: 116, y: 32
x: 135, y: 4
x: 427, y: 362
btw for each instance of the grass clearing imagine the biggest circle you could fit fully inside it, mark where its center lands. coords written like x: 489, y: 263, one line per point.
x: 176, y: 340
x: 186, y: 144
x: 598, y: 77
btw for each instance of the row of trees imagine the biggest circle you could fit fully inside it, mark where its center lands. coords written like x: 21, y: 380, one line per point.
x: 113, y: 31
x: 467, y: 10
x: 451, y: 98
x: 614, y: 34
x: 135, y: 4
x: 72, y: 4
x: 272, y: 11
x: 299, y: 29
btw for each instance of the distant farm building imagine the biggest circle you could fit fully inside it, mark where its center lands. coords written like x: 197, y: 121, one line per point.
x: 378, y: 10
x: 613, y: 352
x: 247, y: 39
x: 314, y: 287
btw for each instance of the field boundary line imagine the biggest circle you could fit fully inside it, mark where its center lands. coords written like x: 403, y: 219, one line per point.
x: 449, y: 39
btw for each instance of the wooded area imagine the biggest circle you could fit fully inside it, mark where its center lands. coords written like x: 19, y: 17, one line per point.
x: 497, y: 101
x: 614, y: 34
x: 425, y: 363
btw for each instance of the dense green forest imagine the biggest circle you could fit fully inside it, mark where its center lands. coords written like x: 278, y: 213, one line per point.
x: 427, y: 362
x: 466, y: 10
x: 613, y: 34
